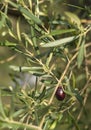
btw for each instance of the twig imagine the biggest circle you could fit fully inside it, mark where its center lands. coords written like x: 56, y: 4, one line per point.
x: 86, y: 65
x: 86, y: 21
x: 87, y: 56
x: 85, y: 99
x: 43, y: 65
x: 62, y: 77
x: 22, y: 125
x: 42, y: 121
x: 86, y: 86
x: 8, y: 59
x: 68, y: 107
x: 86, y: 46
x: 84, y: 102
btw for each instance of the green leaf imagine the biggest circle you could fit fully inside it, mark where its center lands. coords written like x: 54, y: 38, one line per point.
x: 48, y: 60
x: 78, y: 96
x: 17, y: 113
x: 73, y: 121
x: 27, y: 38
x: 69, y: 93
x: 18, y: 29
x: 58, y: 32
x: 30, y: 15
x: 43, y: 110
x: 73, y: 18
x: 26, y: 13
x: 80, y: 56
x: 34, y: 41
x: 60, y: 42
x: 53, y: 125
x: 2, y: 19
x: 15, y: 125
x: 24, y: 68
x: 32, y: 70
x: 7, y: 43
x: 2, y: 108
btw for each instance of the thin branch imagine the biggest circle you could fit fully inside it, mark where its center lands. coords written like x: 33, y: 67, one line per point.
x: 8, y: 59
x: 42, y: 121
x: 84, y: 102
x: 86, y: 86
x: 86, y: 46
x: 62, y: 77
x: 22, y: 125
x: 43, y: 65
x: 85, y: 97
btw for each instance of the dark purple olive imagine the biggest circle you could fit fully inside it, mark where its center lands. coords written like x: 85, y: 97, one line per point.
x: 60, y: 94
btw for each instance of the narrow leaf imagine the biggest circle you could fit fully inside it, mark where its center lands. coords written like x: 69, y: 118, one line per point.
x: 60, y: 42
x: 80, y: 54
x: 26, y: 13
x: 74, y: 121
x: 58, y: 32
x: 17, y: 113
x: 30, y: 15
x: 2, y: 21
x: 24, y: 68
x: 32, y: 70
x: 74, y: 19
x: 53, y: 125
x: 1, y: 107
x: 7, y: 43
x: 18, y: 29
x: 79, y: 97
x: 15, y: 124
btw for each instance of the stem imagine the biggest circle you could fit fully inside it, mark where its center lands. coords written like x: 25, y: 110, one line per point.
x: 61, y: 78
x: 43, y: 65
x: 22, y: 125
x: 42, y: 121
x: 81, y: 111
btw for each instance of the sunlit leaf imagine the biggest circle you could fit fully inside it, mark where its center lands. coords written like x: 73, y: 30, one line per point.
x: 53, y: 125
x: 60, y: 42
x: 73, y: 18
x: 49, y: 59
x: 27, y: 38
x: 18, y: 29
x: 32, y: 70
x: 16, y: 68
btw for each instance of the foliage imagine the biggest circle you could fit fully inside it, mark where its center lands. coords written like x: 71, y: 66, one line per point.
x: 53, y: 38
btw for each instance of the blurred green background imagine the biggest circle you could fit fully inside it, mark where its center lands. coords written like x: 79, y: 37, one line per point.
x: 49, y: 11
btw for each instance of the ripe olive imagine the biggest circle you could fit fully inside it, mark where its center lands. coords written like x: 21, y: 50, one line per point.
x: 60, y: 94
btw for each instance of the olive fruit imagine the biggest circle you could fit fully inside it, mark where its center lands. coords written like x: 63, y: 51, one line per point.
x: 60, y: 94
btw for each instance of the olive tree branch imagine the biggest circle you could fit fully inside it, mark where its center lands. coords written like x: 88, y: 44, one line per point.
x: 62, y: 77
x: 45, y: 68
